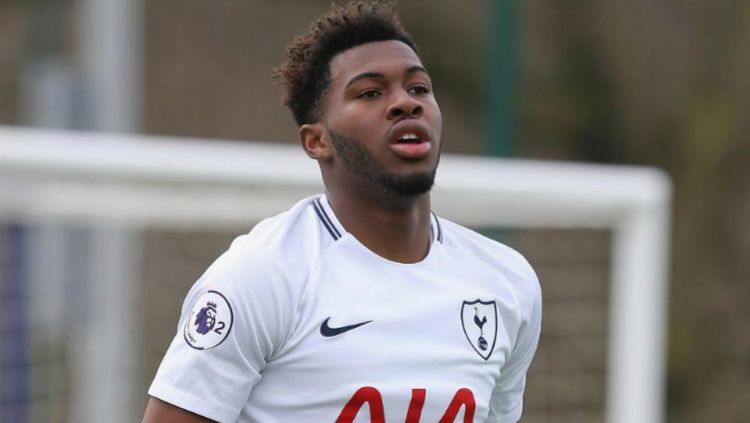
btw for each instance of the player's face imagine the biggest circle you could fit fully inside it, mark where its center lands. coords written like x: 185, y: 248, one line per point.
x: 382, y: 117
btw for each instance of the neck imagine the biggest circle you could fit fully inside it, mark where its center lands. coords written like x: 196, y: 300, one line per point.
x: 397, y: 228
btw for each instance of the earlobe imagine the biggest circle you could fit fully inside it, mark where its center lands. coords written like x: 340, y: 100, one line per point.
x: 314, y: 141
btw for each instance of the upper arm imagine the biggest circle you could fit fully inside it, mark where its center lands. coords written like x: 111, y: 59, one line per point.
x: 158, y: 411
x: 506, y: 403
x: 235, y: 317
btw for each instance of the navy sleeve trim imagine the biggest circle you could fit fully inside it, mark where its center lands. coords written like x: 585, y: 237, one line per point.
x: 325, y: 220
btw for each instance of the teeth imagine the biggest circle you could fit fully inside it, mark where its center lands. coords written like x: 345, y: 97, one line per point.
x: 408, y: 137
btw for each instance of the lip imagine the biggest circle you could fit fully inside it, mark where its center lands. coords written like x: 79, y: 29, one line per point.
x: 410, y: 150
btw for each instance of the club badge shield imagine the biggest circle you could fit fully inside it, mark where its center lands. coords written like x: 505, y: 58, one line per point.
x: 479, y: 321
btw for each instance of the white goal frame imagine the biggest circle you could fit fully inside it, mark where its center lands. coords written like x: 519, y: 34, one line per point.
x: 147, y: 181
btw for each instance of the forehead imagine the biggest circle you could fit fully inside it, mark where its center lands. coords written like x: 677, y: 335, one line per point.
x: 380, y: 56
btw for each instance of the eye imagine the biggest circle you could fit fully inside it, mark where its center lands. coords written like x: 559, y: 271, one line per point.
x: 369, y: 94
x: 420, y: 89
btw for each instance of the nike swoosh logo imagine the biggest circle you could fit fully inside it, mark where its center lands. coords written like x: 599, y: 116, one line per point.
x: 328, y: 331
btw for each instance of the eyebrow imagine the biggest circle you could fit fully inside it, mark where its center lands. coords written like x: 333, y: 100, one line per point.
x: 377, y: 75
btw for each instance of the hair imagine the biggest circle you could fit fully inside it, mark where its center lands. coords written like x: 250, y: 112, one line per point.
x: 306, y: 74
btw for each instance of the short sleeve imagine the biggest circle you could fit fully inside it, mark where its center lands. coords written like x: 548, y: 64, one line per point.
x: 506, y: 404
x: 235, y: 317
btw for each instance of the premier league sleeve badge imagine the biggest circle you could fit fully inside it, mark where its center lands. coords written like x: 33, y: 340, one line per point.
x: 209, y: 321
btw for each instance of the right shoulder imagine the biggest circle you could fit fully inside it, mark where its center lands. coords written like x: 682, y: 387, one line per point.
x: 279, y: 249
x: 263, y: 275
x: 241, y: 314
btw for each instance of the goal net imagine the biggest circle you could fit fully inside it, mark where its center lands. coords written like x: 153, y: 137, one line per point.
x: 101, y: 235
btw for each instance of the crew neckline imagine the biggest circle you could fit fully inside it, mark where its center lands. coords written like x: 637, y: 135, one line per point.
x: 328, y: 218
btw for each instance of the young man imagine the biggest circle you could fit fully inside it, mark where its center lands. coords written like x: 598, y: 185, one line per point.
x: 359, y: 304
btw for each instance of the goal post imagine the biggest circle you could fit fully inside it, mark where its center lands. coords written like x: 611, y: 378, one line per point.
x: 135, y: 182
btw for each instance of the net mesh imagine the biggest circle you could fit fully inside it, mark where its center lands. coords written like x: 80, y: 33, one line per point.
x: 566, y: 382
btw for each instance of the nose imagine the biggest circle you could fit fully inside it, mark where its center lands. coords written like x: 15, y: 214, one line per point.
x: 404, y: 106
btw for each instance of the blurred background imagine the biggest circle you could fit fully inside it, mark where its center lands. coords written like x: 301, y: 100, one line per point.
x: 662, y: 84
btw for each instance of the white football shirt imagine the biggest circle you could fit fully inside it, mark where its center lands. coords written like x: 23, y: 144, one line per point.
x: 300, y: 322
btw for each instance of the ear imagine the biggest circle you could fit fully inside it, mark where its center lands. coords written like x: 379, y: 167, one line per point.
x: 315, y: 141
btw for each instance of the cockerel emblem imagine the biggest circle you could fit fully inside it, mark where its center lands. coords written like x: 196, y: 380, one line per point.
x: 481, y: 341
x: 479, y: 321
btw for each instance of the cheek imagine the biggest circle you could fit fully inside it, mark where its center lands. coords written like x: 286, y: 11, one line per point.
x: 436, y: 118
x: 358, y: 122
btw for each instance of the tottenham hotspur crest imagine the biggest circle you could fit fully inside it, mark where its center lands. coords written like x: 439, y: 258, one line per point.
x: 479, y: 320
x: 209, y: 321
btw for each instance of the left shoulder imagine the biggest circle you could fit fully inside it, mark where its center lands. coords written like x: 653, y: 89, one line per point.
x: 496, y: 255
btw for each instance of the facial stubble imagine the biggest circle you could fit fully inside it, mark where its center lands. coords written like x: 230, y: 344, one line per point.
x: 356, y: 159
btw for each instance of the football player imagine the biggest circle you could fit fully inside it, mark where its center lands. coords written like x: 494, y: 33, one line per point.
x: 358, y: 304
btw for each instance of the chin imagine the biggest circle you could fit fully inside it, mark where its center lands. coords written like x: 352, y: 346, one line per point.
x: 409, y: 185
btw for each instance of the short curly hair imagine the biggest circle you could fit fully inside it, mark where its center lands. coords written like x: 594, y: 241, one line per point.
x: 306, y: 74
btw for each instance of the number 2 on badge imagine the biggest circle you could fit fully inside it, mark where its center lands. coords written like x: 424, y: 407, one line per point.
x: 219, y: 327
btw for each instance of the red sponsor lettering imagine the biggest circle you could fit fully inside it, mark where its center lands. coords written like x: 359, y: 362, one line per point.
x: 368, y: 395
x: 415, y: 405
x: 463, y: 398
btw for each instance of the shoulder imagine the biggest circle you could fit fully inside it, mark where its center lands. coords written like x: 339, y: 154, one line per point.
x: 491, y: 252
x: 286, y: 241
x: 262, y: 276
x: 275, y: 256
x: 512, y: 265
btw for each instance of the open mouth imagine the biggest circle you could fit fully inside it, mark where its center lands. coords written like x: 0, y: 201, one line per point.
x: 410, y: 145
x: 409, y: 138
